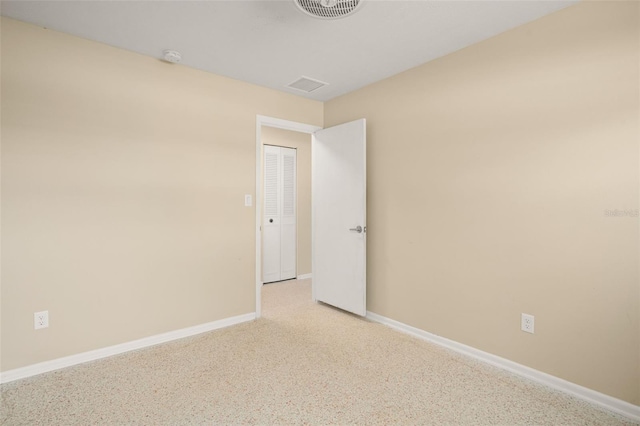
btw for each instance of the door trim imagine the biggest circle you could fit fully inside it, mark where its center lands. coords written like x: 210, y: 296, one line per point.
x: 278, y: 123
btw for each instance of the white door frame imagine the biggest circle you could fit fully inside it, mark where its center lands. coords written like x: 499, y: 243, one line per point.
x: 278, y: 123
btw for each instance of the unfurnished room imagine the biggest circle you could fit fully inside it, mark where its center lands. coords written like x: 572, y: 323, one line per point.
x: 323, y: 212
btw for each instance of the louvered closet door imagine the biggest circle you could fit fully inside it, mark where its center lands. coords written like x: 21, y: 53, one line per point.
x: 279, y: 221
x: 288, y: 244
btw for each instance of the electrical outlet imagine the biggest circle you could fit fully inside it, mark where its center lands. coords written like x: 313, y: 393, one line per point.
x: 527, y: 323
x: 41, y: 320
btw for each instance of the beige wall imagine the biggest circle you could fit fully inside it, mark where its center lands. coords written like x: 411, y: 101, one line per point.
x: 123, y: 182
x: 302, y: 143
x: 489, y: 173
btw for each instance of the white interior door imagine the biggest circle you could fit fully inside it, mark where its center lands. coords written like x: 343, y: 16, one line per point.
x: 339, y: 183
x: 279, y: 221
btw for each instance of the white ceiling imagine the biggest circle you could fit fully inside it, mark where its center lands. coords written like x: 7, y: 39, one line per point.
x: 272, y: 43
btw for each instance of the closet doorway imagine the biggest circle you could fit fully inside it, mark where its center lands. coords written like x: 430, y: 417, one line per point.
x: 279, y: 224
x: 286, y: 205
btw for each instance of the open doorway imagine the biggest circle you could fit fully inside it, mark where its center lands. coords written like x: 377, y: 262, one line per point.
x: 277, y: 132
x: 338, y: 230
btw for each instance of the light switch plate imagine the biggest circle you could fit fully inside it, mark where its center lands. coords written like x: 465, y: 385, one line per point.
x: 247, y: 200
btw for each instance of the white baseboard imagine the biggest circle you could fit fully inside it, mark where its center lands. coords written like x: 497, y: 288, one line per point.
x: 304, y: 276
x: 610, y: 403
x: 68, y: 361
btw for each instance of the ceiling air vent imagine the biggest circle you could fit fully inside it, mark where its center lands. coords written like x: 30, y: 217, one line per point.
x: 306, y: 84
x: 328, y: 9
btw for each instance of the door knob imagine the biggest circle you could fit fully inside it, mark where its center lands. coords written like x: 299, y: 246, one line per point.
x: 270, y: 220
x: 357, y: 229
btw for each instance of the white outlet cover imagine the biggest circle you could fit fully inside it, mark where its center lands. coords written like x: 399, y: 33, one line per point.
x: 40, y: 320
x: 527, y: 323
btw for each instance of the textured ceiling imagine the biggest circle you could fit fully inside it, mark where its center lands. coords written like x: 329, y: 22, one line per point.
x: 272, y: 43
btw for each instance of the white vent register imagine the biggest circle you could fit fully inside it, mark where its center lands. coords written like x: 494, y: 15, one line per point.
x: 307, y: 84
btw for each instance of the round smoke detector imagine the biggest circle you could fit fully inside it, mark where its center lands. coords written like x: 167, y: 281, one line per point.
x: 172, y: 56
x: 328, y: 9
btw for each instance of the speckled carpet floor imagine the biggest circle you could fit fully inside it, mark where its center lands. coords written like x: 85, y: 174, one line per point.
x: 302, y: 363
